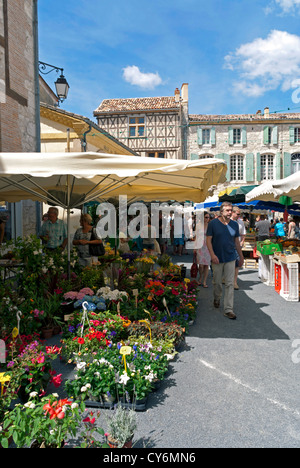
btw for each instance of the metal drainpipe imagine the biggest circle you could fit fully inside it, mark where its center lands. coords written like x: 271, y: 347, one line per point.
x: 83, y: 140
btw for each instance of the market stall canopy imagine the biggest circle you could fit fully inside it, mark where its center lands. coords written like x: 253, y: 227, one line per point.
x: 235, y: 194
x: 273, y: 190
x: 257, y: 206
x: 71, y: 179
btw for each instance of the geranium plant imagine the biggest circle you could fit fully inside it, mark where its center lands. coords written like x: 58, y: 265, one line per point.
x: 34, y: 370
x: 42, y: 423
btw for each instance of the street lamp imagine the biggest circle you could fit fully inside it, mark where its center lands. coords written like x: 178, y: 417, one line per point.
x: 61, y: 84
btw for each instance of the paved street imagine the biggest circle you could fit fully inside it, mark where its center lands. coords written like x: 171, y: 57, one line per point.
x: 234, y: 383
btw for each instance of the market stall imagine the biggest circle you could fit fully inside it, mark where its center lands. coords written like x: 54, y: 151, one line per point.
x: 279, y: 266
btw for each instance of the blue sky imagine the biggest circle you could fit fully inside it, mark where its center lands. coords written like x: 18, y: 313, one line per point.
x: 238, y: 56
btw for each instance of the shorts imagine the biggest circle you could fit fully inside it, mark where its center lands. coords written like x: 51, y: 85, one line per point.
x: 179, y: 240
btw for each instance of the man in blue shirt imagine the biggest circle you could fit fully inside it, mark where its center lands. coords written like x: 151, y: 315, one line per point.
x: 222, y: 239
x: 54, y: 231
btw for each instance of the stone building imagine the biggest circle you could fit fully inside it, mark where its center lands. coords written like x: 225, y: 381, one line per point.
x: 153, y: 127
x: 19, y: 97
x: 256, y: 147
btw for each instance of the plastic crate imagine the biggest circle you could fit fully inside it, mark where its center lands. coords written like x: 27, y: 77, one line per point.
x: 270, y: 281
x: 284, y: 292
x: 277, y: 276
x: 293, y: 271
x: 268, y: 249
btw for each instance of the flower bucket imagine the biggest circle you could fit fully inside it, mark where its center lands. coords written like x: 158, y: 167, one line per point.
x: 114, y: 443
x: 46, y: 333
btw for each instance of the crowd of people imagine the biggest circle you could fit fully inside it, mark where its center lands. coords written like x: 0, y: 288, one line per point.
x: 223, y: 240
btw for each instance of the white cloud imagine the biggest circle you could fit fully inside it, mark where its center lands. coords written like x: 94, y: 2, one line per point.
x: 134, y: 76
x: 266, y: 64
x: 288, y: 6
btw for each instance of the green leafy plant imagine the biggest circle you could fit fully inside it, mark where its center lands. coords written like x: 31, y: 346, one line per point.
x: 42, y: 423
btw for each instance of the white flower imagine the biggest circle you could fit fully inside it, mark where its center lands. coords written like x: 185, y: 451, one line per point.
x: 80, y: 365
x: 124, y: 378
x: 74, y: 405
x: 83, y: 389
x: 29, y: 405
x: 88, y: 385
x: 169, y: 356
x: 33, y: 394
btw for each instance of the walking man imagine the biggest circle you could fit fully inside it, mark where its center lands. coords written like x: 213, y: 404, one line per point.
x: 223, y: 241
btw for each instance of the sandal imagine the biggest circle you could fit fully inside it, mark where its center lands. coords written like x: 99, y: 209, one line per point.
x: 230, y: 315
x: 205, y: 285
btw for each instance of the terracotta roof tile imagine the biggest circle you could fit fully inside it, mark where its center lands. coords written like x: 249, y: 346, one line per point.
x: 242, y: 117
x: 137, y: 104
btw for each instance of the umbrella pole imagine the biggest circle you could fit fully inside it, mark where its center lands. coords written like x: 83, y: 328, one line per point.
x: 68, y: 229
x: 68, y: 244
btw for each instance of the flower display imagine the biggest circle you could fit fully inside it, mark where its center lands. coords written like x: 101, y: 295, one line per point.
x: 122, y: 321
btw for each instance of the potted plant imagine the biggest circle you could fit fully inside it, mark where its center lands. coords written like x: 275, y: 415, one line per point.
x: 122, y: 423
x: 41, y: 422
x: 33, y: 369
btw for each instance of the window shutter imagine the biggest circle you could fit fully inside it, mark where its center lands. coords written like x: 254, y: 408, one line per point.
x: 275, y: 136
x: 230, y: 136
x: 292, y: 135
x: 194, y: 156
x: 266, y: 135
x: 287, y: 163
x: 244, y: 135
x: 278, y: 166
x: 213, y: 136
x: 258, y: 168
x: 250, y: 167
x: 199, y: 136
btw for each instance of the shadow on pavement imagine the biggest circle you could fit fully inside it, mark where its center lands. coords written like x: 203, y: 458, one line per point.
x: 252, y: 322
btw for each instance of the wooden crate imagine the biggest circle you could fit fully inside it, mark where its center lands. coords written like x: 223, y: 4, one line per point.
x: 250, y: 263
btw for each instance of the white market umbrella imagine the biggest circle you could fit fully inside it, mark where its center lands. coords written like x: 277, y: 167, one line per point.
x: 273, y: 190
x: 71, y: 179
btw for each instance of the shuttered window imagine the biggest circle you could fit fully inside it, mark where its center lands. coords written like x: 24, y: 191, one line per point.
x: 237, y: 167
x: 267, y: 166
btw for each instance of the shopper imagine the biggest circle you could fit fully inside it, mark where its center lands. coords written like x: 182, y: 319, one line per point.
x: 279, y: 228
x: 263, y: 228
x: 223, y: 241
x: 236, y: 213
x: 85, y: 236
x: 292, y: 228
x: 203, y: 256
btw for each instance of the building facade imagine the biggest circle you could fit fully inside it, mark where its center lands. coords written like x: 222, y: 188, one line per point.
x: 153, y: 127
x: 255, y: 147
x: 19, y: 99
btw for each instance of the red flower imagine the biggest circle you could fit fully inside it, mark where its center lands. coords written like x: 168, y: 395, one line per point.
x: 80, y: 340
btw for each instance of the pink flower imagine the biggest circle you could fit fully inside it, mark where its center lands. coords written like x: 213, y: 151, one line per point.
x: 40, y: 359
x: 71, y: 295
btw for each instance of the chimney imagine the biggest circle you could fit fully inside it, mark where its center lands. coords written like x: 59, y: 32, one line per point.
x: 185, y: 92
x: 266, y: 112
x: 177, y: 95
